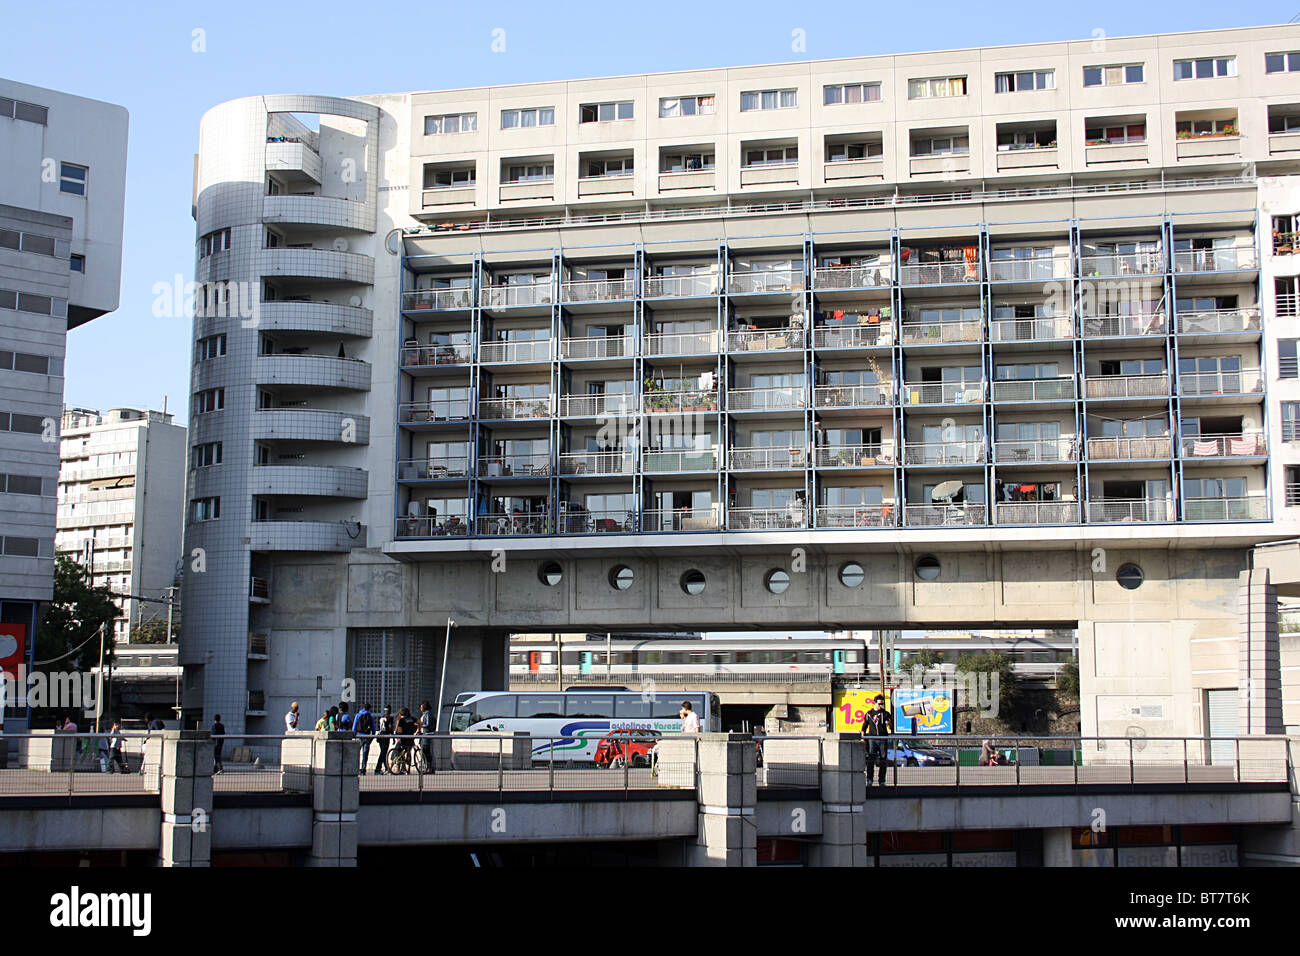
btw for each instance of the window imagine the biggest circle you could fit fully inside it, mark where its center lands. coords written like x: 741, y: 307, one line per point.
x: 212, y: 400
x: 450, y: 123
x: 685, y: 162
x: 1115, y: 135
x: 605, y: 112
x: 769, y: 100
x: 72, y: 178
x: 1129, y: 577
x: 777, y: 581
x: 77, y: 263
x: 26, y: 362
x: 927, y: 567
x: 848, y: 93
x: 435, y: 178
x: 852, y: 574
x: 1286, y: 359
x: 21, y: 484
x: 36, y: 304
x: 941, y: 146
x: 550, y: 574
x: 846, y: 152
x: 205, y: 455
x: 1206, y: 68
x: 621, y: 577
x: 601, y: 168
x: 530, y: 173
x: 27, y: 112
x: 21, y: 547
x: 936, y: 86
x: 524, y: 119
x: 1291, y: 421
x: 1113, y: 75
x: 1206, y: 127
x: 693, y: 582
x: 1027, y: 139
x: 205, y: 509
x: 687, y: 105
x: 1027, y: 80
x: 1284, y: 123
x: 218, y: 241
x: 773, y: 156
x: 24, y: 424
x: 1273, y: 63
x: 214, y: 346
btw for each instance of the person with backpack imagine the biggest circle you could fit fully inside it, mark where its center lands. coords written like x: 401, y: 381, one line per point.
x: 344, y: 720
x: 386, y: 727
x: 364, y: 726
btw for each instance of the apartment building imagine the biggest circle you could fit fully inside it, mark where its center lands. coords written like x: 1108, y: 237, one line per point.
x: 967, y: 337
x: 61, y: 202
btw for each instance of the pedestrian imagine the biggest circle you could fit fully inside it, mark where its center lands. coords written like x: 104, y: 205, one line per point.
x: 344, y: 721
x: 153, y: 725
x: 218, y: 738
x: 988, y: 755
x: 103, y: 755
x: 426, y: 730
x: 324, y: 722
x: 406, y: 729
x: 876, y: 728
x: 333, y: 719
x: 386, y: 727
x: 291, y: 718
x: 690, y: 720
x: 116, y: 745
x: 364, y: 725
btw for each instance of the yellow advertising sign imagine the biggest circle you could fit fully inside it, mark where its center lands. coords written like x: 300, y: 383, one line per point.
x: 851, y: 708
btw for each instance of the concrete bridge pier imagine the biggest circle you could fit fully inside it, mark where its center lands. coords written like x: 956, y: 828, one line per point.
x: 184, y: 775
x: 727, y: 792
x: 843, y: 795
x: 336, y: 798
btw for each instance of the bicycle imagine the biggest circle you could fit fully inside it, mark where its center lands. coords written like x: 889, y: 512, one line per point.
x: 401, y: 759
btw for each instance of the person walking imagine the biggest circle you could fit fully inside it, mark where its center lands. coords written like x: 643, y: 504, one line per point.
x: 690, y: 719
x: 218, y: 741
x: 876, y: 728
x: 426, y: 730
x: 364, y: 725
x: 291, y: 718
x: 386, y: 728
x: 116, y: 745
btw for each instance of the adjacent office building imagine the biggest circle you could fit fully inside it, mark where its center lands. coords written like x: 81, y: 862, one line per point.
x: 1002, y: 336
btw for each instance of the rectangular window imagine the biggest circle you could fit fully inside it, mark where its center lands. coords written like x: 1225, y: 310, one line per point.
x: 1291, y: 421
x: 72, y: 178
x: 20, y: 484
x: 212, y: 400
x: 205, y: 509
x: 936, y: 86
x: 450, y: 123
x: 1273, y: 63
x: 15, y: 547
x: 207, y: 454
x: 605, y: 112
x: 769, y: 100
x: 24, y: 424
x: 1027, y: 139
x: 218, y: 241
x: 525, y: 119
x: 214, y: 346
x: 941, y: 146
x: 685, y: 162
x: 435, y: 178
x: 849, y: 93
x: 530, y: 173
x: 27, y: 112
x: 25, y: 362
x: 1024, y: 80
x: 601, y: 168
x: 1115, y: 75
x: 1286, y: 359
x: 77, y: 263
x: 1205, y: 68
x: 1114, y: 135
x: 687, y: 105
x: 773, y: 156
x: 845, y: 152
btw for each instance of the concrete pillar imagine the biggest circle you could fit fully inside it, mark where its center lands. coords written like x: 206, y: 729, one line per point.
x: 1057, y: 847
x: 1279, y: 845
x: 335, y: 798
x: 1259, y: 655
x: 184, y: 783
x: 727, y: 792
x: 843, y: 794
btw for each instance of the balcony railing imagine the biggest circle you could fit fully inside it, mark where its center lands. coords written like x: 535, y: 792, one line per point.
x: 939, y: 333
x: 432, y: 356
x: 1129, y: 510
x: 943, y: 453
x: 680, y: 519
x: 1247, y: 381
x: 512, y: 296
x: 1288, y: 304
x: 1033, y: 390
x: 581, y: 521
x: 766, y: 458
x: 1215, y: 260
x: 958, y: 514
x: 682, y: 460
x: 1225, y: 446
x: 494, y: 525
x: 1041, y: 449
x: 942, y: 393
x: 597, y: 290
x: 532, y: 350
x: 1122, y: 264
x: 777, y: 280
x: 1118, y: 448
x: 502, y: 408
x: 596, y: 346
x: 855, y: 456
x: 596, y: 463
x: 870, y: 335
x: 257, y: 644
x: 755, y: 340
x: 852, y: 396
x: 1038, y: 329
x: 438, y: 300
x: 856, y: 516
x: 766, y: 519
x: 1245, y: 508
x: 597, y: 406
x: 765, y: 399
x: 1293, y: 494
x: 1041, y: 269
x: 447, y: 410
x: 681, y: 343
x: 259, y: 589
x: 939, y: 273
x: 664, y: 287
x: 676, y: 402
x: 1124, y: 326
x: 424, y: 469
x: 427, y: 526
x: 1219, y: 321
x: 516, y: 466
x: 851, y: 277
x: 1127, y: 386
x: 1036, y: 512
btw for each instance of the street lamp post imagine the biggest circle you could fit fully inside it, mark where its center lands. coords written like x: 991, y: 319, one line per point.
x: 442, y: 682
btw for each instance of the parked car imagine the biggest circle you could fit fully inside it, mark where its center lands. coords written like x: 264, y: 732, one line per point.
x: 904, y: 754
x: 626, y: 747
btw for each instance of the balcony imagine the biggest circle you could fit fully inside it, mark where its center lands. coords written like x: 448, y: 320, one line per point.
x: 257, y: 646
x: 679, y: 461
x: 443, y: 410
x: 852, y: 396
x: 1124, y: 326
x: 524, y: 189
x: 1122, y: 264
x: 1245, y: 508
x: 327, y: 317
x: 1126, y: 386
x: 681, y: 519
x: 1219, y: 322
x: 322, y: 371
x: 509, y: 525
x: 311, y: 424
x: 1201, y: 147
x: 1040, y: 269
x: 515, y: 353
x: 856, y: 516
x: 432, y: 469
x: 769, y: 174
x: 435, y: 356
x: 1247, y: 381
x: 438, y: 300
x: 939, y: 273
x: 256, y: 706
x: 850, y: 278
x: 766, y: 458
x: 1216, y: 260
x: 514, y: 466
x: 672, y: 287
x: 596, y: 463
x: 448, y: 196
x: 1027, y: 157
x: 941, y: 333
x: 755, y: 340
x: 617, y: 185
x: 1034, y: 390
x: 259, y: 590
x: 597, y: 406
x: 1036, y: 512
x: 581, y: 521
x: 1284, y: 142
x: 500, y: 409
x: 942, y: 393
x: 1288, y: 304
x: 855, y: 456
x: 847, y: 169
x: 1130, y: 449
x: 696, y: 179
x: 350, y: 267
x: 329, y: 212
x: 943, y: 453
x: 516, y: 296
x: 597, y: 290
x: 1035, y: 450
x: 1248, y: 445
x: 288, y: 156
x: 939, y: 165
x: 1130, y: 510
x: 675, y: 403
x: 1105, y: 154
x: 427, y: 526
x: 765, y: 399
x: 776, y: 280
x: 954, y: 515
x: 681, y: 343
x: 277, y: 535
x: 332, y: 481
x: 766, y: 519
x: 1039, y: 329
x: 579, y: 347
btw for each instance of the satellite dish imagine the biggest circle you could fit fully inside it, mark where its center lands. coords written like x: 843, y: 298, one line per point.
x: 945, y: 491
x: 355, y: 301
x: 340, y: 245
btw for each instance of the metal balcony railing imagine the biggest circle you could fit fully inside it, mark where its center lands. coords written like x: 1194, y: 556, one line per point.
x: 943, y: 453
x: 942, y: 393
x: 1127, y: 386
x: 777, y: 280
x: 766, y: 458
x: 1244, y: 508
x: 257, y: 644
x: 1040, y: 269
x: 432, y: 356
x: 507, y: 408
x: 852, y: 277
x: 930, y: 515
x: 871, y: 335
x: 596, y: 346
x: 1036, y: 512
x: 532, y: 350
x: 1218, y: 321
x: 597, y: 290
x: 680, y: 519
x: 679, y: 460
x: 676, y: 402
x: 681, y: 343
x: 1122, y: 264
x: 1288, y: 304
x: 596, y: 406
x: 597, y: 463
x: 493, y: 525
x: 857, y: 516
x: 1033, y: 390
x: 259, y: 589
x: 665, y: 287
x: 1247, y: 381
x: 939, y: 273
x: 1118, y: 448
x: 581, y: 521
x: 446, y: 410
x: 1043, y: 449
x: 421, y: 469
x: 512, y: 296
x: 852, y: 396
x: 766, y: 519
x: 427, y: 526
x: 939, y: 333
x: 1129, y: 510
x: 1215, y: 260
x: 855, y: 456
x: 756, y: 340
x: 1037, y: 329
x: 1124, y: 326
x: 256, y: 702
x: 438, y: 300
x: 514, y: 466
x: 1293, y: 494
x: 765, y: 399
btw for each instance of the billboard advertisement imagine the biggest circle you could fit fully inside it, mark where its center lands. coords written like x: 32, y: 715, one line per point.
x: 851, y: 707
x: 13, y: 648
x: 930, y: 708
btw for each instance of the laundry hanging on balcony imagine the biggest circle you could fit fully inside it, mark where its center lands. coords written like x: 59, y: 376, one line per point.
x: 1204, y: 447
x: 970, y: 254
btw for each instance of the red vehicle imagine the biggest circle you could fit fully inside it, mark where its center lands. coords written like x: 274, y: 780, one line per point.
x: 620, y: 748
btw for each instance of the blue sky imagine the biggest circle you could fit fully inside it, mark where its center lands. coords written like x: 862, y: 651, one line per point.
x: 140, y: 55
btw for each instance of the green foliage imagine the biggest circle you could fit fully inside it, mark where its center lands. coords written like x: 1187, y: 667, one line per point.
x: 926, y: 658
x: 1067, y: 682
x: 991, y: 662
x: 73, y: 618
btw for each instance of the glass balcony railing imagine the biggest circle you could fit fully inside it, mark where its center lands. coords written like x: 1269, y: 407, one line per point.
x: 1215, y: 260
x: 509, y: 408
x: 766, y: 519
x: 1036, y: 329
x: 432, y: 356
x: 855, y: 456
x: 1122, y: 264
x: 681, y: 343
x: 449, y: 410
x: 1245, y: 508
x: 427, y: 469
x: 1038, y: 269
x: 513, y: 296
x: 939, y: 273
x: 438, y: 300
x: 1130, y: 510
x: 494, y: 525
x: 597, y: 406
x: 512, y: 353
x: 665, y: 287
x: 580, y: 521
x: 942, y: 393
x: 679, y: 460
x: 759, y: 340
x: 953, y: 515
x: 596, y: 346
x: 1130, y: 449
x: 597, y: 290
x: 766, y: 458
x: 668, y: 403
x: 428, y: 526
x: 777, y: 280
x: 1127, y: 386
x: 1247, y: 445
x: 943, y: 453
x: 857, y: 516
x: 1246, y: 381
x: 765, y: 399
x: 1219, y: 321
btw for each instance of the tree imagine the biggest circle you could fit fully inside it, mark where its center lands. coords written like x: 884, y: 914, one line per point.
x: 993, y: 662
x: 1067, y: 682
x: 73, y: 620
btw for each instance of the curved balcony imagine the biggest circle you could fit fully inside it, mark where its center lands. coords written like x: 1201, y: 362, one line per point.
x: 311, y: 424
x: 318, y: 370
x: 306, y: 535
x: 330, y: 481
x: 327, y: 211
x: 325, y: 317
x: 318, y: 264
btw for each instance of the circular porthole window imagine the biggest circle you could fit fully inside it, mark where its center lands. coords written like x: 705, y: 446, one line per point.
x: 927, y: 567
x: 1130, y: 577
x: 777, y: 581
x: 620, y: 579
x: 851, y: 574
x: 693, y: 582
x: 550, y: 574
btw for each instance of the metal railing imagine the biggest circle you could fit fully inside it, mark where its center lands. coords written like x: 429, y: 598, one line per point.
x: 943, y: 515
x: 852, y: 277
x: 1215, y: 260
x: 938, y: 333
x: 518, y: 466
x: 1123, y: 326
x: 1036, y: 512
x: 509, y: 408
x: 680, y: 519
x: 1037, y: 449
x: 681, y: 343
x: 1127, y: 386
x: 432, y: 356
x: 597, y: 522
x: 757, y: 340
x: 766, y: 458
x: 1242, y: 508
x: 512, y: 296
x: 444, y: 410
x: 257, y: 644
x: 1038, y: 269
x: 855, y: 456
x: 939, y: 273
x: 595, y: 406
x: 1219, y: 321
x: 438, y: 300
x: 427, y: 469
x: 493, y: 525
x: 671, y: 461
x: 852, y: 396
x: 1130, y: 510
x: 766, y: 519
x: 665, y: 287
x: 259, y: 588
x: 868, y: 335
x: 1244, y: 381
x: 531, y: 350
x: 688, y: 401
x: 857, y: 516
x: 597, y: 290
x: 597, y: 463
x: 943, y: 453
x: 596, y: 346
x: 1292, y: 494
x: 942, y: 393
x: 765, y: 399
x: 427, y: 526
x: 1118, y: 448
x: 1122, y: 264
x: 1033, y: 390
x: 776, y: 280
x: 1037, y: 329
